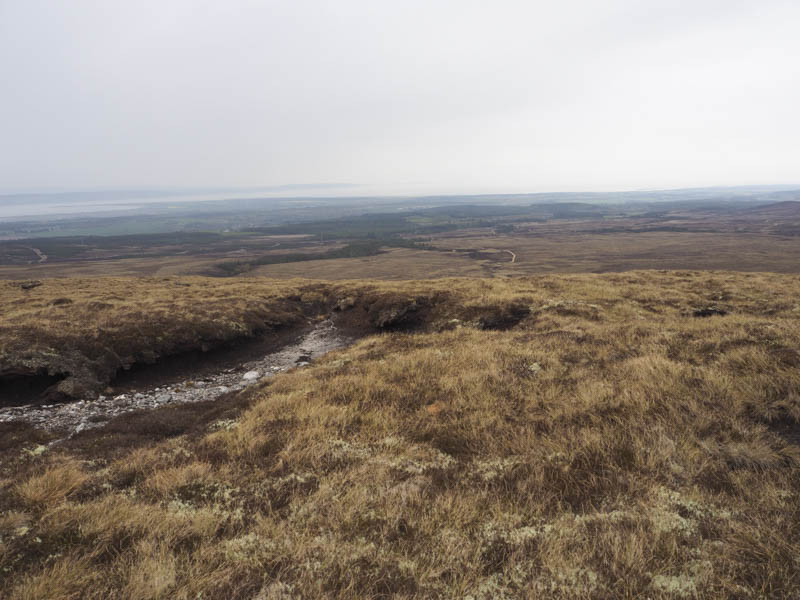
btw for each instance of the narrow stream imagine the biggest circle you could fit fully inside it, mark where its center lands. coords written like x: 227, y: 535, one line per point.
x: 84, y: 414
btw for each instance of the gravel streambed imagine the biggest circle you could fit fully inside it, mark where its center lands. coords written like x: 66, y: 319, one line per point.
x: 77, y: 416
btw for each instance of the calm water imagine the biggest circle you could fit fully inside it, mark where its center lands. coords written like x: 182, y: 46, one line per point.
x: 42, y: 206
x: 40, y: 210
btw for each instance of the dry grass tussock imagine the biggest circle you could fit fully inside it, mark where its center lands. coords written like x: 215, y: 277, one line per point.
x: 602, y: 443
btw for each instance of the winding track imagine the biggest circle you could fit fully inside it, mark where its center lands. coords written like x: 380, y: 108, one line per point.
x: 42, y: 256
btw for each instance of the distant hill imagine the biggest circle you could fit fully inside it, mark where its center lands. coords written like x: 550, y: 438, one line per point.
x: 785, y: 209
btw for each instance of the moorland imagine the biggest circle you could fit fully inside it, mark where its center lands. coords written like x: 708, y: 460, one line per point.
x: 560, y: 398
x: 418, y: 240
x: 567, y: 436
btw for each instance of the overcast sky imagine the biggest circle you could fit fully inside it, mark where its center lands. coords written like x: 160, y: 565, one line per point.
x: 399, y: 96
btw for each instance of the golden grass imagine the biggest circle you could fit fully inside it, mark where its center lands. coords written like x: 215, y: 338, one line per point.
x: 393, y: 264
x: 604, y: 443
x: 66, y: 578
x: 52, y: 486
x: 559, y: 248
x: 550, y: 248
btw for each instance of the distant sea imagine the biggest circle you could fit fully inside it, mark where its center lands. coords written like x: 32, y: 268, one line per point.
x: 17, y: 206
x: 44, y: 205
x: 14, y: 211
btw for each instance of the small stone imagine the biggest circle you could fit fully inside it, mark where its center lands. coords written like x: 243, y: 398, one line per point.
x: 534, y: 368
x: 251, y: 375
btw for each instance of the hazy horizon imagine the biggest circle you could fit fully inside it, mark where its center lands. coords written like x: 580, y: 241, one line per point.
x: 350, y: 190
x: 105, y: 203
x: 405, y: 99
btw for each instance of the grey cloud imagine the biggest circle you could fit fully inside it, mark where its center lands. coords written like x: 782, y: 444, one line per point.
x: 428, y: 97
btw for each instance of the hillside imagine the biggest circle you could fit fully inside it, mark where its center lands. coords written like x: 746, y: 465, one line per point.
x: 784, y: 209
x: 560, y: 436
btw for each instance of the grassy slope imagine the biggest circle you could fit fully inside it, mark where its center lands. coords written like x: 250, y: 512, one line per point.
x: 609, y: 444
